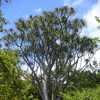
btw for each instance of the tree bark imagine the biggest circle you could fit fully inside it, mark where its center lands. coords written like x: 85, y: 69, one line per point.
x: 52, y: 96
x: 44, y: 89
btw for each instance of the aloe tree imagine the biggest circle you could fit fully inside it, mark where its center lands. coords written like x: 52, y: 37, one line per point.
x: 52, y: 47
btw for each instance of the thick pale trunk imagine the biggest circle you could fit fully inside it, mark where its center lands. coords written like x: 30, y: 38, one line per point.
x: 52, y: 96
x: 52, y: 93
x: 44, y: 89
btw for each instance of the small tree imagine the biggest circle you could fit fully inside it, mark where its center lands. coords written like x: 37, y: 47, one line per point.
x: 15, y: 84
x: 9, y: 73
x: 51, y: 46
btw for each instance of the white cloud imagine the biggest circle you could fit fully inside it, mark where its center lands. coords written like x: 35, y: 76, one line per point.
x: 38, y: 10
x: 66, y: 2
x: 97, y: 55
x: 77, y: 2
x: 92, y: 24
x: 73, y: 2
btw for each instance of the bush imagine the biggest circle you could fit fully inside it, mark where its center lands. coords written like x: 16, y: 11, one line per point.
x: 85, y: 94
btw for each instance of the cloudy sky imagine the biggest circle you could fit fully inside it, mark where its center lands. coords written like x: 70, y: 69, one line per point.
x: 86, y: 9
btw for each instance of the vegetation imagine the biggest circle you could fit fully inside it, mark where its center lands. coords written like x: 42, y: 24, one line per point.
x: 85, y: 94
x: 14, y: 83
x: 52, y: 48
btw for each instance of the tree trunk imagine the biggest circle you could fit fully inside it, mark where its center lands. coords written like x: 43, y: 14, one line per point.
x: 44, y: 89
x: 52, y: 96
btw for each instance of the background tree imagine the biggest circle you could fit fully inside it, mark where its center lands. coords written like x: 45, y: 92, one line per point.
x: 2, y: 19
x: 15, y: 84
x: 52, y: 48
x: 8, y: 72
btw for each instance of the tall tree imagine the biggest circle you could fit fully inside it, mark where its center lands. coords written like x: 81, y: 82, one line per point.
x: 52, y: 47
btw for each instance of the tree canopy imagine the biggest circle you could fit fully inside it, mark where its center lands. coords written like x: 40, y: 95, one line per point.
x: 52, y: 47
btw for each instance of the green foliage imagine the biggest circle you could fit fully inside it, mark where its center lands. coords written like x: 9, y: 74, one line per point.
x: 14, y: 83
x: 2, y: 21
x: 81, y: 80
x: 97, y: 19
x: 85, y: 94
x: 8, y: 71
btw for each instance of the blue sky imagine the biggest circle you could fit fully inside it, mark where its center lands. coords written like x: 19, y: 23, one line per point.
x: 86, y: 9
x: 23, y: 8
